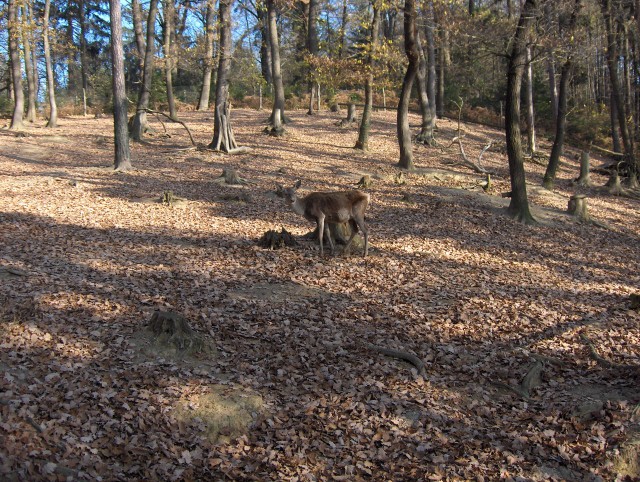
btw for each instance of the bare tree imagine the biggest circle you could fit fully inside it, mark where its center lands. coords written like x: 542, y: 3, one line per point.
x: 411, y: 49
x: 519, y: 206
x: 203, y: 103
x: 277, y: 114
x: 169, y: 14
x: 31, y: 71
x: 312, y: 45
x: 365, y: 122
x: 140, y: 125
x: 16, y: 66
x: 121, y: 142
x: 223, y: 138
x: 51, y: 91
x: 561, y: 120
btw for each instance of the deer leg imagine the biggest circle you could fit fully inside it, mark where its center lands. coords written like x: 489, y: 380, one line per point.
x: 327, y: 231
x: 365, y: 232
x: 320, y: 222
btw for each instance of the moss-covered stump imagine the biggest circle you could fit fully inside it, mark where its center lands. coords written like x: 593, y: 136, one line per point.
x: 171, y: 332
x: 276, y: 240
x: 577, y: 207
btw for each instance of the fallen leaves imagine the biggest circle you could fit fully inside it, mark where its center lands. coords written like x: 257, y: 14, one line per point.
x: 473, y: 296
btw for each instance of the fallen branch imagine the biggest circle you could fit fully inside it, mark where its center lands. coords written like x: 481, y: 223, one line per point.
x: 603, y: 361
x: 402, y: 355
x: 155, y: 112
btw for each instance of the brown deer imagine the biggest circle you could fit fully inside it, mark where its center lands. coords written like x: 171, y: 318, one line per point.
x: 331, y: 207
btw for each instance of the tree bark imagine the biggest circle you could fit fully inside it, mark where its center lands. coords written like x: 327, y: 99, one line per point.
x: 312, y: 45
x: 139, y: 125
x: 616, y: 89
x: 365, y: 123
x: 411, y: 49
x: 136, y: 11
x: 16, y: 66
x: 32, y: 84
x: 276, y: 73
x: 121, y: 144
x: 169, y: 14
x: 266, y: 64
x: 203, y: 103
x: 561, y: 120
x: 519, y: 206
x: 223, y: 138
x: 531, y: 125
x: 428, y: 121
x: 51, y: 92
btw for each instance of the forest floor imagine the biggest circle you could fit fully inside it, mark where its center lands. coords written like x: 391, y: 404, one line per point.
x: 288, y: 386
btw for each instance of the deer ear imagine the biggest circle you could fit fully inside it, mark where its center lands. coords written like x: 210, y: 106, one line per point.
x: 297, y: 184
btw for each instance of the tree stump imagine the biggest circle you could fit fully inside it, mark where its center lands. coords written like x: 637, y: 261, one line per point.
x: 584, y: 179
x: 364, y: 182
x: 578, y: 207
x: 171, y: 330
x: 615, y: 188
x: 276, y: 240
x: 351, y: 115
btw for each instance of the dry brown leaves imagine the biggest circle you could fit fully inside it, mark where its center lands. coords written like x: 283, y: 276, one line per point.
x: 85, y: 259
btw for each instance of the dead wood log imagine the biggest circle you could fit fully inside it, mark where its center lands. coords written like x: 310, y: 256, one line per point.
x: 401, y: 355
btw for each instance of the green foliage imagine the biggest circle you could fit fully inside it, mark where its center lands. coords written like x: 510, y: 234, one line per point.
x: 589, y: 125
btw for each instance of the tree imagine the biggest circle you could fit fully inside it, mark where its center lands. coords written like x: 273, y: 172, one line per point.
x: 16, y: 66
x: 121, y: 136
x: 277, y: 114
x: 519, y: 206
x: 51, y: 91
x: 312, y: 45
x: 29, y: 58
x: 223, y: 139
x: 365, y: 122
x: 411, y: 50
x: 203, y: 103
x: 561, y: 119
x: 169, y: 14
x: 616, y: 89
x: 139, y: 124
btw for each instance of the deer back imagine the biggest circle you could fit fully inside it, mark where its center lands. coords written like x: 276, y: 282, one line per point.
x: 337, y: 207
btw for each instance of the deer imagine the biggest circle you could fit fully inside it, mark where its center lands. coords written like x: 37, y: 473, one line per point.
x: 331, y: 207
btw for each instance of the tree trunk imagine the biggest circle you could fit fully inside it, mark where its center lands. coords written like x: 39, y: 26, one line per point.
x: 121, y: 144
x: 53, y: 108
x: 223, y: 138
x: 139, y: 125
x: 531, y: 126
x: 84, y: 67
x: 561, y: 120
x: 365, y: 123
x: 16, y: 66
x: 203, y: 103
x: 561, y: 126
x: 442, y: 69
x: 169, y: 14
x: 266, y: 64
x: 312, y: 46
x: 431, y: 61
x: 32, y: 83
x: 411, y: 49
x: 428, y: 121
x: 519, y: 206
x: 136, y: 11
x: 343, y: 29
x: 616, y: 90
x: 584, y: 179
x: 276, y: 74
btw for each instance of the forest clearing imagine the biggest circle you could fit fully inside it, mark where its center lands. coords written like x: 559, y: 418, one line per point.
x: 528, y: 335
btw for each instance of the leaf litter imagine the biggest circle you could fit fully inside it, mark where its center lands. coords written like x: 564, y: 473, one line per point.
x: 293, y: 387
